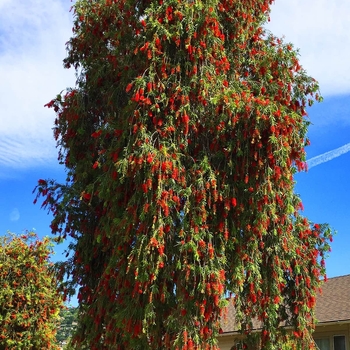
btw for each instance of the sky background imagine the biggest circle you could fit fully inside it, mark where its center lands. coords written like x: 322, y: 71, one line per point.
x: 32, y: 46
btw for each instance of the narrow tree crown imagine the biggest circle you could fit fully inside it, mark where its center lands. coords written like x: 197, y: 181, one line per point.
x: 181, y: 139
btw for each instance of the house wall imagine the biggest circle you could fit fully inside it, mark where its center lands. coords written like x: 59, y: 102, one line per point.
x: 226, y: 342
x: 322, y: 331
x: 330, y: 330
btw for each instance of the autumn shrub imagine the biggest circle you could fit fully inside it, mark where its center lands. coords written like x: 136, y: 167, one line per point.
x: 29, y: 299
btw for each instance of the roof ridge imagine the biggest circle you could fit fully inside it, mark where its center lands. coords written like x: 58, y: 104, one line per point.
x: 328, y: 278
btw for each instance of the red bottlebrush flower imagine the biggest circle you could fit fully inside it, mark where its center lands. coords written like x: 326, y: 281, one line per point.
x: 169, y: 12
x: 210, y: 251
x: 201, y: 243
x: 185, y: 119
x: 185, y: 336
x: 296, y: 309
x: 144, y: 188
x: 129, y: 87
x: 150, y: 158
x: 183, y: 312
x: 136, y: 98
x: 86, y: 196
x: 311, y: 302
x: 153, y: 242
x: 161, y: 250
x: 50, y: 104
x: 253, y: 298
x: 296, y: 334
x: 96, y: 133
x: 166, y: 211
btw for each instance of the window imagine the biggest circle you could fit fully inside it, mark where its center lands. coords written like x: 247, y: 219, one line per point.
x: 339, y: 342
x: 335, y: 343
x: 323, y: 344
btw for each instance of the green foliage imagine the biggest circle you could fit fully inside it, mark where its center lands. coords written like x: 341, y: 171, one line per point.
x: 181, y: 139
x: 67, y: 324
x: 29, y: 297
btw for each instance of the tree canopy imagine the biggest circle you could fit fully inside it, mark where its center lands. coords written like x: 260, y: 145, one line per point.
x: 180, y: 140
x: 67, y: 324
x: 29, y: 297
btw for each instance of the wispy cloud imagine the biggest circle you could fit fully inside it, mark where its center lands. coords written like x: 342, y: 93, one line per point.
x: 14, y: 215
x: 32, y: 46
x: 326, y: 157
x: 20, y: 152
x: 319, y: 28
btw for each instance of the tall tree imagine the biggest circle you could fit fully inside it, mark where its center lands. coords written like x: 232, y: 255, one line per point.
x: 180, y: 140
x: 29, y: 298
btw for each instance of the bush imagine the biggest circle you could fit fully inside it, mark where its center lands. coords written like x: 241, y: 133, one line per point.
x: 29, y: 298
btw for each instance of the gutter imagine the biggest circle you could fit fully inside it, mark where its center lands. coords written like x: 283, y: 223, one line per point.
x: 320, y: 324
x: 332, y: 323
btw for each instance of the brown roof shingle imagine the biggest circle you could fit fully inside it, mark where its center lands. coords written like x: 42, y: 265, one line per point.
x: 332, y: 305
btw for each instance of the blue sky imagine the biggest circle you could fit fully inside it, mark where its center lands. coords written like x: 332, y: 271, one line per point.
x: 32, y: 45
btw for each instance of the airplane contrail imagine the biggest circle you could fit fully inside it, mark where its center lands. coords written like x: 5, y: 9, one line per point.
x: 326, y: 157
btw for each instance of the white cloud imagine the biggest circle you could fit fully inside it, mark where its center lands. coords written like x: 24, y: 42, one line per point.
x: 32, y: 46
x: 319, y: 28
x: 326, y: 157
x: 14, y: 215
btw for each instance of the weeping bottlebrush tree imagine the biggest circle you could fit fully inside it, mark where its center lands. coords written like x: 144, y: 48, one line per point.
x: 181, y: 139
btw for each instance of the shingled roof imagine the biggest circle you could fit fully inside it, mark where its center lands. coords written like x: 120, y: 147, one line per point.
x: 332, y: 305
